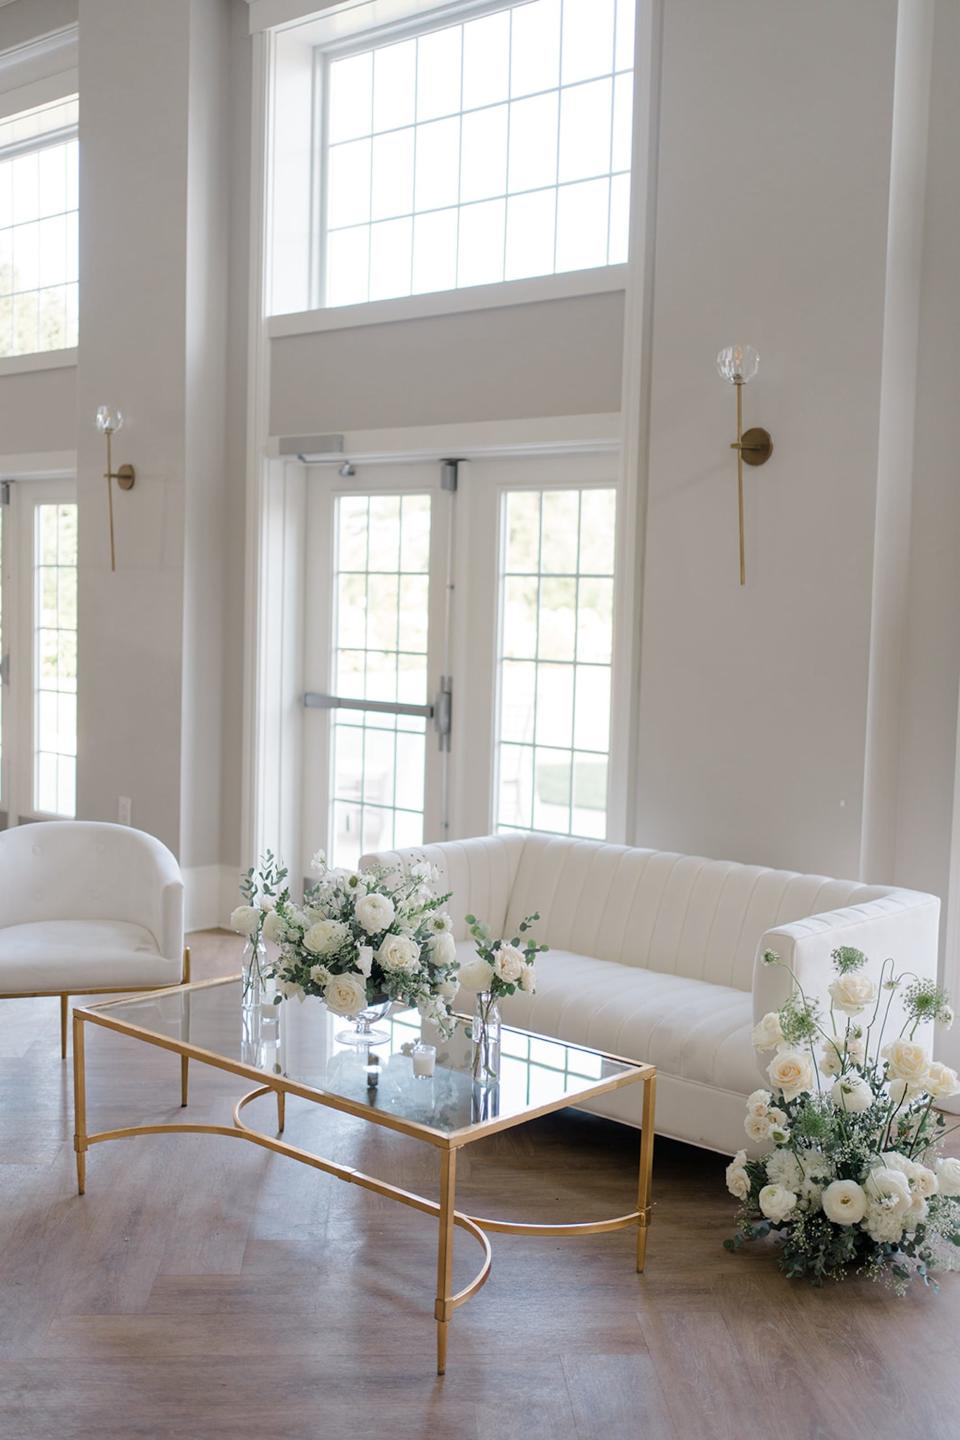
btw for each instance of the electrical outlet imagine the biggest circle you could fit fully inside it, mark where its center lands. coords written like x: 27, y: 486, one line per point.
x: 124, y: 810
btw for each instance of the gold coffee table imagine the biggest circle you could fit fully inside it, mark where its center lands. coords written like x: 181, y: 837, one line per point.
x: 296, y: 1053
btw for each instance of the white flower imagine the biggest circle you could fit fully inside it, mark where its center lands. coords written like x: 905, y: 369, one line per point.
x: 289, y: 988
x: 422, y: 870
x: 345, y: 995
x: 759, y: 1102
x: 883, y: 1225
x: 274, y: 928
x: 777, y: 1202
x: 398, y: 954
x: 946, y: 1017
x: 326, y: 937
x: 791, y: 1071
x: 320, y: 975
x: 906, y: 1060
x: 319, y: 862
x: 476, y: 974
x: 926, y: 1180
x: 901, y: 1092
x: 852, y: 1093
x: 783, y: 1168
x: 757, y: 1127
x: 448, y: 988
x: 443, y: 948
x: 375, y: 913
x: 738, y: 1181
x: 767, y: 1034
x: 948, y: 1174
x: 852, y: 992
x: 817, y: 1172
x: 940, y: 1081
x: 889, y: 1189
x: 844, y: 1202
x: 441, y: 921
x: 245, y: 919
x: 528, y: 980
x: 365, y: 960
x: 508, y: 964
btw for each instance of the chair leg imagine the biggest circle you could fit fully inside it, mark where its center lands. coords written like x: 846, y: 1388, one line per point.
x: 184, y: 1078
x: 63, y: 1025
x: 186, y: 965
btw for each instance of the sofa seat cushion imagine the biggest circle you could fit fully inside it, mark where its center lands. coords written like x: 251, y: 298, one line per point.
x: 688, y: 1028
x: 77, y: 955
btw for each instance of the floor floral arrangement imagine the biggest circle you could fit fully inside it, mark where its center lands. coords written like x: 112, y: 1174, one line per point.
x: 854, y: 1180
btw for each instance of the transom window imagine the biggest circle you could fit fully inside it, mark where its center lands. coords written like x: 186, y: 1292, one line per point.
x: 479, y: 152
x: 38, y: 229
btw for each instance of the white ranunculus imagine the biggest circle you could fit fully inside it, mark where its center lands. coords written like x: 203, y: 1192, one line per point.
x: 245, y: 919
x: 365, y: 960
x: 783, y: 1168
x: 844, y: 1202
x: 926, y: 1180
x: 738, y: 1181
x: 831, y: 1057
x: 320, y: 975
x: 475, y: 974
x: 274, y: 928
x: 398, y: 954
x: 375, y: 913
x: 441, y: 921
x: 326, y: 937
x: 852, y: 1093
x: 906, y: 1060
x: 948, y: 1174
x: 443, y: 948
x: 508, y: 964
x: 940, y: 1081
x: 852, y: 992
x: 757, y: 1128
x: 767, y: 1034
x: 882, y: 1224
x: 345, y: 995
x: 528, y: 980
x: 791, y: 1072
x: 889, y: 1189
x: 777, y: 1203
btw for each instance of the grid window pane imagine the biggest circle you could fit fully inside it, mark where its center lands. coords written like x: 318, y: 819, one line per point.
x: 55, y: 659
x: 475, y: 141
x: 381, y: 593
x: 38, y: 229
x: 555, y: 652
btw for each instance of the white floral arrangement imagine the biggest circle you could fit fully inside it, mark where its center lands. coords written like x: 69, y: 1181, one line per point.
x: 502, y: 967
x: 855, y: 1180
x: 364, y: 937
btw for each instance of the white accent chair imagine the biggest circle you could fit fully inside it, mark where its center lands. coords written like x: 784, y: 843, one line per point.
x: 656, y: 956
x: 88, y: 909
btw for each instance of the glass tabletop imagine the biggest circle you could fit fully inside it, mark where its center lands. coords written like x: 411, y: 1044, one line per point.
x: 297, y: 1040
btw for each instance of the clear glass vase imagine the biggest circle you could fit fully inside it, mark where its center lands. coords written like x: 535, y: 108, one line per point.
x: 485, y: 1032
x: 363, y: 1031
x: 255, y: 981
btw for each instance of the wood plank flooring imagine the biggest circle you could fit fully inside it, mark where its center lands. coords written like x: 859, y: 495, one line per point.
x: 205, y: 1289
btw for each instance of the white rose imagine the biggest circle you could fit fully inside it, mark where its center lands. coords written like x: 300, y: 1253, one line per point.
x: 889, y: 1189
x: 476, y: 974
x: 274, y: 928
x: 783, y: 1168
x: 759, y: 1102
x: 852, y: 992
x: 948, y: 1174
x: 508, y: 964
x: 901, y: 1092
x: 940, y: 1081
x: 757, y: 1127
x: 375, y: 913
x: 528, y: 980
x: 844, y: 1202
x: 345, y: 995
x: 738, y: 1181
x: 245, y: 919
x: 325, y: 937
x: 906, y: 1061
x: 883, y: 1225
x: 365, y: 960
x: 852, y: 1093
x: 320, y: 975
x: 791, y: 1071
x: 767, y: 1034
x: 777, y: 1203
x: 398, y: 954
x: 443, y: 948
x: 926, y: 1181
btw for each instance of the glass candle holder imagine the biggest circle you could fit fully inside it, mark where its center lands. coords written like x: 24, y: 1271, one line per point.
x: 424, y: 1061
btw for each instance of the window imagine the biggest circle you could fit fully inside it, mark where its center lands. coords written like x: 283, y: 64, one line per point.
x: 485, y: 151
x: 55, y: 659
x: 38, y: 229
x: 554, y: 660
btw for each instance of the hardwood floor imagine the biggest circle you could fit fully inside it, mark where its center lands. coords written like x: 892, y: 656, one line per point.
x: 202, y: 1289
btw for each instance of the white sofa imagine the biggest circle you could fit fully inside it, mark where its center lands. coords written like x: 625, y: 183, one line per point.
x: 656, y: 956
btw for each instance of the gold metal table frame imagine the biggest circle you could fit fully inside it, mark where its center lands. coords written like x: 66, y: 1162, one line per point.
x: 448, y: 1144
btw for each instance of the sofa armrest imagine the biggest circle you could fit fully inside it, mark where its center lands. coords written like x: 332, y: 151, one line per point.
x: 904, y: 925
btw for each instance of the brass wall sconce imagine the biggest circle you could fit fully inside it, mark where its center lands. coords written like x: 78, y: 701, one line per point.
x: 737, y: 365
x: 108, y: 422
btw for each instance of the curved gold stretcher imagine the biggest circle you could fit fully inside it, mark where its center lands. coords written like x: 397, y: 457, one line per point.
x: 444, y: 1210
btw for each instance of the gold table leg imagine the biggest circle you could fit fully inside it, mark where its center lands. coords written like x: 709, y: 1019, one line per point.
x: 79, y: 1103
x: 184, y: 1079
x: 64, y: 1011
x: 443, y: 1310
x: 646, y: 1168
x: 281, y: 1110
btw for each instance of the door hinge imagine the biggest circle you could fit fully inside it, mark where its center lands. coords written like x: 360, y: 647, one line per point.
x: 5, y: 492
x: 443, y: 711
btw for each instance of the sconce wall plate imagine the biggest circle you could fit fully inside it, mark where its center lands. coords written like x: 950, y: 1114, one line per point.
x: 756, y: 447
x: 125, y: 474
